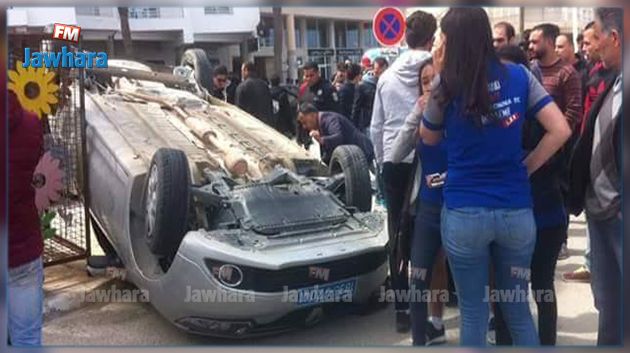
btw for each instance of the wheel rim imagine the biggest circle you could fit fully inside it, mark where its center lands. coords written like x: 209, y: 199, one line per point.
x: 152, y: 200
x: 340, y: 190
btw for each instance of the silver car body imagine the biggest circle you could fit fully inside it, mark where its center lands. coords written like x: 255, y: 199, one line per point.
x: 123, y: 132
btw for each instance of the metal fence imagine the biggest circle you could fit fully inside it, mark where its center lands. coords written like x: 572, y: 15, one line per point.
x: 65, y: 141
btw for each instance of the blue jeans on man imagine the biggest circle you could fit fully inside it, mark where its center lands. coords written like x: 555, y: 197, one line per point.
x: 606, y: 280
x: 25, y: 301
x: 472, y: 237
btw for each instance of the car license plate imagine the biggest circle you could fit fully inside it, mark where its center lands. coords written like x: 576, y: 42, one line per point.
x: 338, y: 292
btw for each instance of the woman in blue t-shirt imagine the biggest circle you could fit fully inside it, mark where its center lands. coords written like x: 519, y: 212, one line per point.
x: 428, y: 266
x: 481, y: 104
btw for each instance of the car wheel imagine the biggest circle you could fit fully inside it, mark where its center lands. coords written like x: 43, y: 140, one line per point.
x: 101, y: 239
x: 356, y: 190
x: 166, y: 197
x: 198, y: 61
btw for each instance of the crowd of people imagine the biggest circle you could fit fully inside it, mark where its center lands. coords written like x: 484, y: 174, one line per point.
x: 507, y: 139
x: 483, y: 146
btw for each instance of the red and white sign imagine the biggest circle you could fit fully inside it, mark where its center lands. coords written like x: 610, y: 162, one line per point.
x: 68, y: 33
x: 389, y: 26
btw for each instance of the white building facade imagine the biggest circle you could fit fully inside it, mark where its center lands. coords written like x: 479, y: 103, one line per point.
x: 324, y: 35
x: 159, y: 34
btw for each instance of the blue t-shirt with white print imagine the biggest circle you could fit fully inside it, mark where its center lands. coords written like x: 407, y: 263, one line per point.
x: 485, y: 164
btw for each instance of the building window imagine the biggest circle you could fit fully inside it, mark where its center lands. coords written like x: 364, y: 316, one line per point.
x: 298, y: 36
x: 312, y: 38
x: 352, y: 35
x: 218, y: 10
x: 340, y: 34
x: 144, y: 12
x: 88, y: 11
x: 323, y: 34
x: 316, y: 34
x: 368, y: 36
x: 266, y: 41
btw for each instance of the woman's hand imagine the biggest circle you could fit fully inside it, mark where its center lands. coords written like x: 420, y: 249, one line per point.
x: 558, y: 132
x: 421, y: 104
x: 439, y: 52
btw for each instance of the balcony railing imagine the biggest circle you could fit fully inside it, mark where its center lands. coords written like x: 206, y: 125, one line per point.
x: 218, y: 10
x: 144, y: 12
x: 95, y: 11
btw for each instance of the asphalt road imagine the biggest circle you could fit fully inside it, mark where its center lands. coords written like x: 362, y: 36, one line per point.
x: 139, y: 324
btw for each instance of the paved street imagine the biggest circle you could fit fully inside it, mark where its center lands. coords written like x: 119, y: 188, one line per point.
x: 140, y: 324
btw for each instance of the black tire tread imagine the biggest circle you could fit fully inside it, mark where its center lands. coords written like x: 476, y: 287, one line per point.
x: 356, y: 175
x: 198, y: 60
x: 172, y: 201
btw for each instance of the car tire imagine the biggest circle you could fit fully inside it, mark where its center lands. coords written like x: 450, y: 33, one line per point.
x: 101, y: 239
x: 166, y: 201
x: 357, y: 189
x: 198, y: 61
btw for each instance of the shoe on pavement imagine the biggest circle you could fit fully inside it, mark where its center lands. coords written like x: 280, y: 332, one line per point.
x: 491, y: 336
x: 564, y: 252
x: 582, y: 274
x: 403, y: 322
x: 435, y: 335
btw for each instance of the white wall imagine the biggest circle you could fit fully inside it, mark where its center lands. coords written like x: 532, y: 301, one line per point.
x: 40, y: 16
x: 243, y: 19
x: 190, y: 20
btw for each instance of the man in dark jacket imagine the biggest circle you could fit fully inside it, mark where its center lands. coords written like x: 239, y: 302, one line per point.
x: 361, y: 114
x: 253, y: 95
x: 230, y: 90
x: 25, y: 294
x: 594, y: 82
x: 318, y: 92
x: 331, y: 130
x: 347, y: 90
x: 596, y: 182
x: 282, y: 107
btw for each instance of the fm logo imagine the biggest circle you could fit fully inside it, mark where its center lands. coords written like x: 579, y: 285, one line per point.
x: 68, y: 33
x: 319, y: 273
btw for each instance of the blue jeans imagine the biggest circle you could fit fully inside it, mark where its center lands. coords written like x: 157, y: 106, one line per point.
x: 587, y: 251
x: 473, y: 237
x: 425, y: 244
x: 606, y: 279
x: 25, y: 299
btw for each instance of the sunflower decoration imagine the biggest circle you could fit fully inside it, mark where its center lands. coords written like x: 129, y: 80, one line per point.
x: 34, y: 88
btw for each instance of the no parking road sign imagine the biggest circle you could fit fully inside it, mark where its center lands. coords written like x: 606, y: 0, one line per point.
x: 389, y: 26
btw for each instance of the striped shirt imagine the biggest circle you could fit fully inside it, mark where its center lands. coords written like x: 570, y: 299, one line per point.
x: 565, y: 87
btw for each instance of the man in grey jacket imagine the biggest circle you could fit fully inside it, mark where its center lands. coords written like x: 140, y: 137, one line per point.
x: 596, y: 182
x: 396, y: 95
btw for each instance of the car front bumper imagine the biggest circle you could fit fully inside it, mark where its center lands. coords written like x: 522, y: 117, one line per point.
x: 193, y: 296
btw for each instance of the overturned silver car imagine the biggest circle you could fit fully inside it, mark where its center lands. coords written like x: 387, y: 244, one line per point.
x: 231, y: 228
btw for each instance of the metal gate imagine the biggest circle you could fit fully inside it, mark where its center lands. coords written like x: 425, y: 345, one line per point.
x: 66, y: 142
